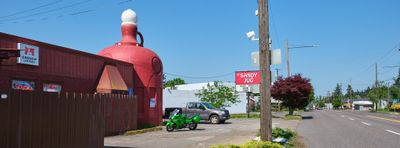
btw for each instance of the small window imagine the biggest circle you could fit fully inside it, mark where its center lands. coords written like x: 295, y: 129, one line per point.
x: 48, y: 87
x: 191, y: 105
x: 23, y: 85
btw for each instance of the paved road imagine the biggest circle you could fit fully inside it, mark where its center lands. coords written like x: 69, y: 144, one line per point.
x: 350, y: 129
x: 234, y: 131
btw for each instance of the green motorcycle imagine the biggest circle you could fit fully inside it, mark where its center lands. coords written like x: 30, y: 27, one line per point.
x: 179, y: 121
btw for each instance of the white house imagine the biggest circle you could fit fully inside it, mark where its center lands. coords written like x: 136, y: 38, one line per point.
x: 362, y: 104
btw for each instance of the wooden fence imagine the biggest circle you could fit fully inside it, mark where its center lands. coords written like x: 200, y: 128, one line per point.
x: 51, y: 120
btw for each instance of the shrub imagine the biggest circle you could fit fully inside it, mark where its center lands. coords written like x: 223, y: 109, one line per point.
x: 250, y: 144
x: 395, y: 107
x: 285, y: 133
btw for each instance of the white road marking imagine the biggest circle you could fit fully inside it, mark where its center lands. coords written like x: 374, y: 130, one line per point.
x: 393, y: 132
x: 366, y: 123
x: 351, y: 119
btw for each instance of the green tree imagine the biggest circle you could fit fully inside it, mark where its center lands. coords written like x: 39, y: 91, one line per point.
x: 378, y: 93
x: 312, y: 96
x: 320, y: 104
x: 397, y: 80
x: 218, y: 95
x: 337, y: 93
x: 395, y: 92
x: 173, y: 82
x: 349, y: 92
x: 336, y: 102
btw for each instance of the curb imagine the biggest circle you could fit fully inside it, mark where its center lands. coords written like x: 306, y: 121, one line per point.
x: 141, y: 131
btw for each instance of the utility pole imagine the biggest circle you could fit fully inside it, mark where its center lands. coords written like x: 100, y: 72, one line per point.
x: 287, y: 57
x: 351, y: 91
x: 287, y: 53
x: 376, y: 75
x: 265, y: 86
x: 277, y: 73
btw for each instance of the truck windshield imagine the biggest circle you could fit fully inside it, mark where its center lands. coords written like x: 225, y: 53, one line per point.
x: 208, y: 105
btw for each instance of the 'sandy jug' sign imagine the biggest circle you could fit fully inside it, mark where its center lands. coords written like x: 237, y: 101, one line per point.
x: 247, y: 77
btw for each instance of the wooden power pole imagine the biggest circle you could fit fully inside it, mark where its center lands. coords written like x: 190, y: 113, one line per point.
x: 265, y: 86
x: 287, y: 57
x: 376, y: 74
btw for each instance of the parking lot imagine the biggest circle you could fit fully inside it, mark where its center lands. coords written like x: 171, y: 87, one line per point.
x: 233, y: 131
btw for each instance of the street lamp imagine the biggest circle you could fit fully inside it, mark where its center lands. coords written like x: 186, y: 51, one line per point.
x: 287, y: 53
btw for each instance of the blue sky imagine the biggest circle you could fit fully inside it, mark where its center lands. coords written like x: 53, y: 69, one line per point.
x: 199, y: 39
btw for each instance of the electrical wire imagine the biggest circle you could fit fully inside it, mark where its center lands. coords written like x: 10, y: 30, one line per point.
x: 80, y: 12
x: 47, y: 11
x: 274, y: 25
x: 199, y: 77
x: 377, y: 61
x: 31, y: 9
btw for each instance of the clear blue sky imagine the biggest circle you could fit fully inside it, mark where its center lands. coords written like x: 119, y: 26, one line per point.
x: 203, y: 38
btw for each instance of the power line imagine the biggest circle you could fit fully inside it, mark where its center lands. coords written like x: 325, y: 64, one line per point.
x: 80, y: 12
x: 274, y: 25
x: 372, y: 65
x: 199, y: 77
x: 31, y: 9
x: 47, y: 11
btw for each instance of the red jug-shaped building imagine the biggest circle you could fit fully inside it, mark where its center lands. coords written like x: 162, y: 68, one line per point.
x: 147, y: 67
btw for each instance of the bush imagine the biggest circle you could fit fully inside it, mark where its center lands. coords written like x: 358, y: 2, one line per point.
x: 251, y: 144
x: 284, y: 133
x: 395, y: 107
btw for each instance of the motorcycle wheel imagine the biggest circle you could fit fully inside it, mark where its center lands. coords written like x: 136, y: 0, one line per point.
x: 192, y: 126
x: 170, y: 128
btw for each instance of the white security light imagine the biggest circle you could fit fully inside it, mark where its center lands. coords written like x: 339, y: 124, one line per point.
x: 251, y: 35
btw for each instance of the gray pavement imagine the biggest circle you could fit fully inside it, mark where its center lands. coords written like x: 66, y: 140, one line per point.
x: 233, y: 131
x: 350, y: 129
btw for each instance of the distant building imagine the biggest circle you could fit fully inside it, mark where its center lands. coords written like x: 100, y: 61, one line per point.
x: 362, y: 104
x: 384, y: 103
x: 328, y: 106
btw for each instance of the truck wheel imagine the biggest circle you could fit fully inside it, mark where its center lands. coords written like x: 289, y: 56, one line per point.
x: 170, y: 128
x: 192, y: 126
x: 214, y: 119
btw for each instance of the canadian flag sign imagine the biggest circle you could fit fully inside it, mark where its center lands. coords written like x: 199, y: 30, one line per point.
x: 247, y: 77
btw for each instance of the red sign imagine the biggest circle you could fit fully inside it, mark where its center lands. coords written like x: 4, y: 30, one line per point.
x: 247, y: 77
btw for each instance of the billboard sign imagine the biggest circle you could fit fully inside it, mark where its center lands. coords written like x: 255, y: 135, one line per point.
x: 52, y: 87
x: 247, y: 77
x: 29, y: 54
x: 23, y: 85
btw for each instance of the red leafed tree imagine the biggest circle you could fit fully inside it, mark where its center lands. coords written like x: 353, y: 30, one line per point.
x: 293, y: 91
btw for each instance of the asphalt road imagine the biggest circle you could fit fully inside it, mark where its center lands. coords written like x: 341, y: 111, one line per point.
x: 350, y: 129
x: 233, y: 131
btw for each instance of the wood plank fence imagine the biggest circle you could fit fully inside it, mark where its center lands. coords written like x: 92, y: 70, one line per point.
x: 65, y: 120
